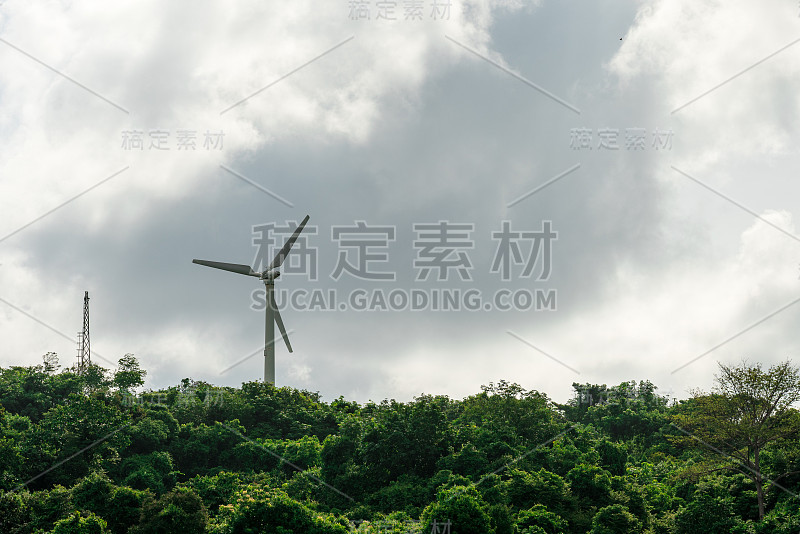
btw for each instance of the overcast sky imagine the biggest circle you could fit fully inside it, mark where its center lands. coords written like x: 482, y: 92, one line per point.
x: 659, y: 139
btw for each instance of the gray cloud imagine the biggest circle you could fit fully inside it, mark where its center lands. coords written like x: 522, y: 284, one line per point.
x: 650, y: 270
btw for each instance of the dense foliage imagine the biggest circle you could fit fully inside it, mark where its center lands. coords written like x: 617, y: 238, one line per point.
x: 81, y: 453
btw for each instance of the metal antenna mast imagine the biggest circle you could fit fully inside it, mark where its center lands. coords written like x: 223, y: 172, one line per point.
x: 84, y: 349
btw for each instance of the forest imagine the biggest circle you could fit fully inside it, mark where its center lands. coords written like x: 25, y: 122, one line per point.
x: 94, y: 452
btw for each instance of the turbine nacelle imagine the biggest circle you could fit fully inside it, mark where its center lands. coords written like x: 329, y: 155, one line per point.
x: 270, y: 275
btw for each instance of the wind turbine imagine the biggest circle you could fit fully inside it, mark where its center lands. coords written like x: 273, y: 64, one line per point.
x: 273, y: 315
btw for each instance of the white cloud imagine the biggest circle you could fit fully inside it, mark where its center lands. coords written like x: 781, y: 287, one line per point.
x: 401, y: 122
x: 661, y: 320
x: 684, y: 49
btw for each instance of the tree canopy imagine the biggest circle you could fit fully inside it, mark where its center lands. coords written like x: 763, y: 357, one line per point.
x: 748, y: 414
x: 87, y: 453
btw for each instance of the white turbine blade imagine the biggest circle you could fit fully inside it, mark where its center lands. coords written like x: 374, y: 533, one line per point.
x: 287, y: 247
x: 232, y: 267
x: 279, y: 322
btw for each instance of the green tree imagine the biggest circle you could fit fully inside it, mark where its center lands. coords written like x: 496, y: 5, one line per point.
x: 508, y: 412
x: 124, y: 508
x: 303, y: 453
x: 147, y: 435
x: 180, y: 510
x: 708, y: 513
x: 95, y: 379
x: 539, y: 487
x: 615, y: 519
x: 50, y: 362
x: 612, y: 456
x: 128, y: 374
x: 27, y: 391
x: 540, y: 516
x: 749, y: 410
x: 783, y: 519
x: 86, y: 427
x: 92, y: 493
x: 79, y: 524
x: 258, y: 509
x: 154, y: 471
x: 501, y: 519
x: 622, y: 411
x: 216, y: 490
x: 405, y: 438
x: 590, y: 483
x: 197, y: 448
x: 14, y: 514
x: 47, y: 507
x: 463, y: 507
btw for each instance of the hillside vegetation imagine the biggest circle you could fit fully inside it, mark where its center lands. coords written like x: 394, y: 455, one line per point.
x: 80, y: 453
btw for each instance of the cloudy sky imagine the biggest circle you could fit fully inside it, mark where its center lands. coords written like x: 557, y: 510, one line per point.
x: 658, y: 138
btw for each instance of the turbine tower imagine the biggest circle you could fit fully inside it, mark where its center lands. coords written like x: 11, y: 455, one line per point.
x: 273, y: 315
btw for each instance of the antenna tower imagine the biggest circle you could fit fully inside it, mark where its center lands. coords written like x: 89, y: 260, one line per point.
x: 84, y: 349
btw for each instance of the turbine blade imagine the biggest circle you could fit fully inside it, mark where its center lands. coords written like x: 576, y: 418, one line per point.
x: 232, y: 267
x: 287, y: 247
x: 279, y: 322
